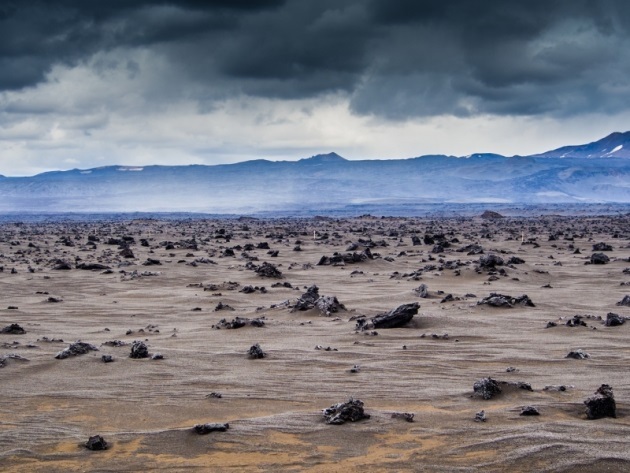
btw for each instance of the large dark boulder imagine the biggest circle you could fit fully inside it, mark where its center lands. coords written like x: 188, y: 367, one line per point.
x: 75, y: 349
x: 490, y: 261
x: 397, y: 317
x: 613, y: 320
x: 13, y: 329
x: 487, y: 388
x: 602, y: 404
x: 351, y: 411
x: 599, y: 258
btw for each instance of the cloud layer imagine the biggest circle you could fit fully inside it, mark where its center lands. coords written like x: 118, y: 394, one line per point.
x: 130, y: 78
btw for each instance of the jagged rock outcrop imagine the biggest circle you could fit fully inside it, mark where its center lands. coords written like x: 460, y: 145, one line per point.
x: 397, y: 317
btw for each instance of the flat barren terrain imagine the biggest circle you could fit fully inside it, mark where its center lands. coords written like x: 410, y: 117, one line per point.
x: 184, y: 288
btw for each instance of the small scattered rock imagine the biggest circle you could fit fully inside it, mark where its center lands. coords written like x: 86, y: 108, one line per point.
x: 403, y: 415
x: 578, y: 354
x: 480, y: 416
x: 204, y: 429
x: 96, y: 443
x: 255, y: 352
x: 602, y: 247
x: 529, y: 411
x: 422, y: 291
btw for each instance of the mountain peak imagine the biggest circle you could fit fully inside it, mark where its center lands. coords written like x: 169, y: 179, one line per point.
x: 615, y: 145
x: 323, y: 158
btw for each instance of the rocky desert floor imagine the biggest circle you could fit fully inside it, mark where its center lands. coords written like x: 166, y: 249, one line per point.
x: 201, y: 293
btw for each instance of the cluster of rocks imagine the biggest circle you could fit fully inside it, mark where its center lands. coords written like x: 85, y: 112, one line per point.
x: 239, y: 322
x: 602, y: 404
x: 487, y: 388
x: 4, y: 359
x: 501, y: 300
x: 327, y: 305
x: 265, y: 270
x: 348, y: 258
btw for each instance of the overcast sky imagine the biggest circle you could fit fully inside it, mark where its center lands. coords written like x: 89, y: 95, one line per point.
x: 91, y: 83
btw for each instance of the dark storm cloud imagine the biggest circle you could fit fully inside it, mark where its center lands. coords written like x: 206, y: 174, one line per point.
x: 393, y: 58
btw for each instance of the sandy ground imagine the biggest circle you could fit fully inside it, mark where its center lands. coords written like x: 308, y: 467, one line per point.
x: 146, y: 408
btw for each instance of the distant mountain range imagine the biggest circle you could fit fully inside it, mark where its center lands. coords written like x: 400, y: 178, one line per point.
x: 594, y: 172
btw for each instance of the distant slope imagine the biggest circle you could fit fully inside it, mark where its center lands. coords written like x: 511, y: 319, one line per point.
x: 615, y: 145
x: 328, y: 182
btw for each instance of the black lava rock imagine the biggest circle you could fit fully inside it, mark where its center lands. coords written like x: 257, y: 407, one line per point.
x: 96, y: 442
x: 599, y: 258
x: 204, y: 429
x: 602, y: 404
x: 256, y: 352
x: 613, y: 320
x: 487, y: 388
x: 75, y: 349
x: 13, y: 329
x: 139, y: 350
x: 529, y: 411
x: 351, y: 411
